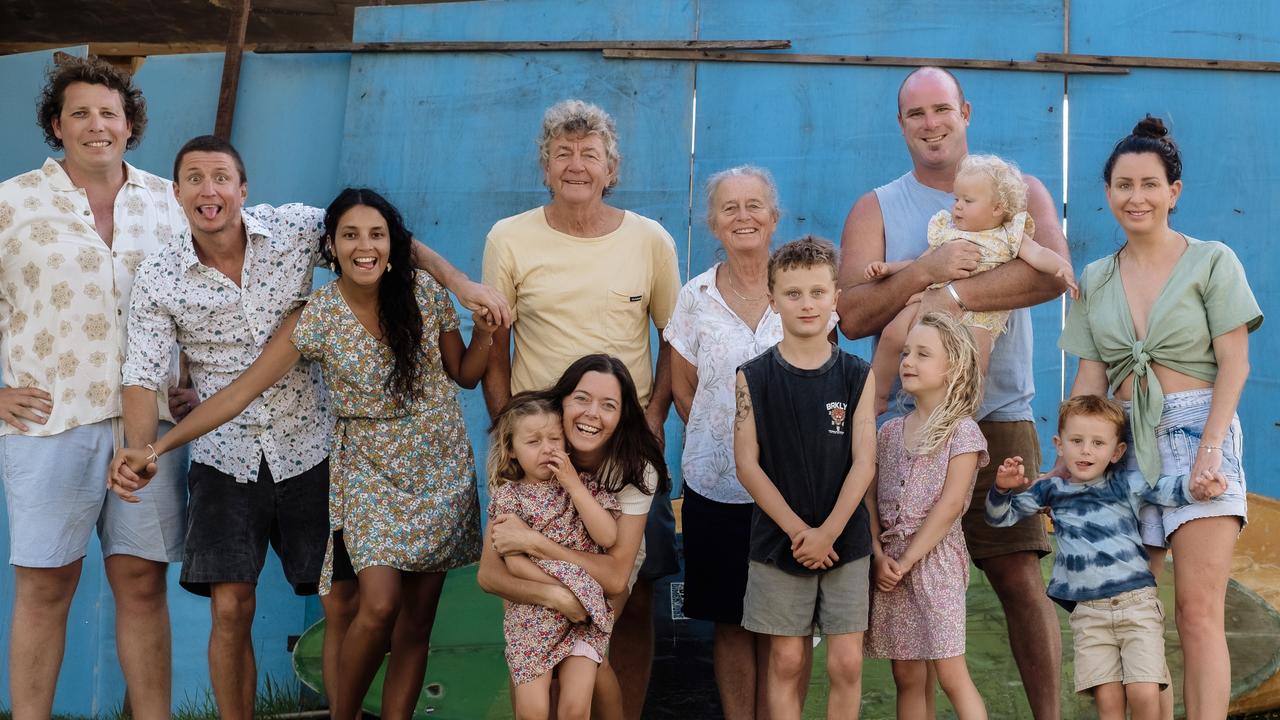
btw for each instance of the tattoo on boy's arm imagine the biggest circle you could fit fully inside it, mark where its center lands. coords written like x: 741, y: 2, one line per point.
x: 744, y: 406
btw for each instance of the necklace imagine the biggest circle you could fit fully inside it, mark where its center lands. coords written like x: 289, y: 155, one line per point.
x: 728, y: 273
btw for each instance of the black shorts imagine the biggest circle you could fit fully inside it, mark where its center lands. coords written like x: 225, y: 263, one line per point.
x: 660, y: 558
x: 230, y: 524
x: 717, y: 538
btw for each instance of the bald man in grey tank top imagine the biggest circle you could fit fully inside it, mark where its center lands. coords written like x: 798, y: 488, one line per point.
x: 890, y: 224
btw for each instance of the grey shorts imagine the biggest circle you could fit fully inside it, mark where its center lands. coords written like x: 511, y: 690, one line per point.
x: 56, y: 493
x: 1178, y: 438
x: 779, y: 603
x: 1119, y: 639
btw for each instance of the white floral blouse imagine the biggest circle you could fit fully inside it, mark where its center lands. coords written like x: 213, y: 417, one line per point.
x: 223, y: 328
x: 715, y: 341
x: 64, y: 293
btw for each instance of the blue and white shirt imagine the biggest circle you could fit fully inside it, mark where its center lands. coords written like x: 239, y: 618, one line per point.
x: 1100, y: 551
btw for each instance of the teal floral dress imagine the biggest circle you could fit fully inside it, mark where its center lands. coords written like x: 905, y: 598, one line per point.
x: 402, y: 480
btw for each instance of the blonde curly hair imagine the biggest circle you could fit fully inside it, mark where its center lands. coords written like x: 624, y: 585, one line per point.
x: 1005, y: 177
x: 964, y: 382
x: 577, y: 117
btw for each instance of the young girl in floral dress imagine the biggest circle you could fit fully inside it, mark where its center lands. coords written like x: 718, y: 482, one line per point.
x: 530, y: 476
x: 928, y: 462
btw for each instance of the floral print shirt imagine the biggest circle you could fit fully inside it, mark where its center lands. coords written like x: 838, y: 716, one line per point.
x: 715, y: 341
x: 64, y: 292
x: 223, y: 328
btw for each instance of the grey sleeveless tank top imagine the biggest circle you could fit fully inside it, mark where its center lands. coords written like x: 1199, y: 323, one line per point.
x: 906, y: 206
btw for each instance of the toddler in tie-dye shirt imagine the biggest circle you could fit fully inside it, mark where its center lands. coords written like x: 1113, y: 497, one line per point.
x: 1100, y: 572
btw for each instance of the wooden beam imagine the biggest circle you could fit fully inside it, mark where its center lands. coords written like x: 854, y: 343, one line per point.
x: 1136, y: 61
x: 522, y: 46
x: 871, y: 60
x: 231, y: 72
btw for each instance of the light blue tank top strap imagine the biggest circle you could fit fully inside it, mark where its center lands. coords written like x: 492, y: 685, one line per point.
x: 906, y: 206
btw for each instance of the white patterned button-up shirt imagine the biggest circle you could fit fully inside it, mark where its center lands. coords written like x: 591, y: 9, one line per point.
x: 64, y: 293
x: 715, y: 341
x: 223, y: 328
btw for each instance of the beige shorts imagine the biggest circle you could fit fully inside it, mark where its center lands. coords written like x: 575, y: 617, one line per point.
x: 779, y: 603
x: 1120, y: 639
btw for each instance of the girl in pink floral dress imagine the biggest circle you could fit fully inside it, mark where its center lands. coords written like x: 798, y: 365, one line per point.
x: 928, y: 462
x: 530, y: 476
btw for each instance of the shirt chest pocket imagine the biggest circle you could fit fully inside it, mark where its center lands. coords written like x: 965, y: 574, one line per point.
x: 625, y: 312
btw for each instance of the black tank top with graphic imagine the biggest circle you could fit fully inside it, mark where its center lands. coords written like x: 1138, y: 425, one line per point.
x: 804, y: 427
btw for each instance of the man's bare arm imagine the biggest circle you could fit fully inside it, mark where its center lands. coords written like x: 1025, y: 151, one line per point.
x: 866, y: 306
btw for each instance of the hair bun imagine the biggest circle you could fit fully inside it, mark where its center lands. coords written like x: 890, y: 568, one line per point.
x: 1152, y: 127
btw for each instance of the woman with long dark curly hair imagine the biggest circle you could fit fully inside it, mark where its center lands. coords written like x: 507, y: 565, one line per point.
x: 403, y: 506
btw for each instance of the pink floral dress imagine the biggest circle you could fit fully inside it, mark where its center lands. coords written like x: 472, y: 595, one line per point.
x: 924, y: 617
x: 538, y: 638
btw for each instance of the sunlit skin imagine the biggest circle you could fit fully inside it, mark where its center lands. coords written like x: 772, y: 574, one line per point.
x: 591, y: 414
x: 1140, y: 194
x: 744, y: 220
x: 976, y: 207
x: 535, y: 442
x: 211, y: 192
x: 934, y: 121
x: 362, y: 246
x: 804, y: 298
x: 1089, y: 444
x: 578, y: 169
x: 92, y: 127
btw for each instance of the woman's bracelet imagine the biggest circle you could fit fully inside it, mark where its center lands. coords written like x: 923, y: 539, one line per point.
x: 1211, y: 448
x: 154, y: 456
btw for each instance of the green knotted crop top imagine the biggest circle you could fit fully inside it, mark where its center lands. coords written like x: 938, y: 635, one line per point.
x: 1206, y: 295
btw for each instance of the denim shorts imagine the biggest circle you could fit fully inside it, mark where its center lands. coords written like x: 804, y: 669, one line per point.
x: 56, y: 492
x: 1178, y: 438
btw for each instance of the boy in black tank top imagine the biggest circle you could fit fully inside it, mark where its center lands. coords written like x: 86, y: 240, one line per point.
x: 805, y: 444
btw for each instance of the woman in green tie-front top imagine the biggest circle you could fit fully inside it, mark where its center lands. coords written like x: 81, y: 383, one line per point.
x: 1163, y: 325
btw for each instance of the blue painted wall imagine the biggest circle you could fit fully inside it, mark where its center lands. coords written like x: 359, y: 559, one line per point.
x: 1231, y: 158
x: 451, y: 139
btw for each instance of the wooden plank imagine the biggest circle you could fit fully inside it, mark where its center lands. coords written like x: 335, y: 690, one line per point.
x: 1169, y: 63
x: 862, y: 60
x: 231, y: 72
x: 522, y: 46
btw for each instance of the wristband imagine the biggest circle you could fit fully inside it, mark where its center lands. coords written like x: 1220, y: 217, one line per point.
x: 956, y: 296
x: 1211, y: 448
x: 153, y: 456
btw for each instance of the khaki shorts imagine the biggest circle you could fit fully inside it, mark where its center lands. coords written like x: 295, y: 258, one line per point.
x: 1120, y: 639
x: 1004, y: 439
x: 779, y: 603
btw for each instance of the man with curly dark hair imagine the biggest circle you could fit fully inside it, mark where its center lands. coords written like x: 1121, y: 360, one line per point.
x: 73, y: 233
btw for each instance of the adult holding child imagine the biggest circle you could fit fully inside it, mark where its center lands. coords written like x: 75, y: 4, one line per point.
x: 585, y: 277
x: 1163, y: 325
x: 891, y: 224
x: 611, y: 445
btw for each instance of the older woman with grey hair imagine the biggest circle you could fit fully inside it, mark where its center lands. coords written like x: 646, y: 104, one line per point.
x: 585, y: 277
x: 723, y: 319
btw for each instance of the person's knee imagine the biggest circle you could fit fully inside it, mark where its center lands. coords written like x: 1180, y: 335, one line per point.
x: 910, y: 674
x: 341, y: 603
x: 573, y: 708
x: 46, y: 590
x: 1199, y: 616
x: 232, y: 607
x: 379, y: 610
x: 1143, y: 694
x: 137, y: 584
x: 845, y: 666
x: 533, y: 708
x: 786, y: 658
